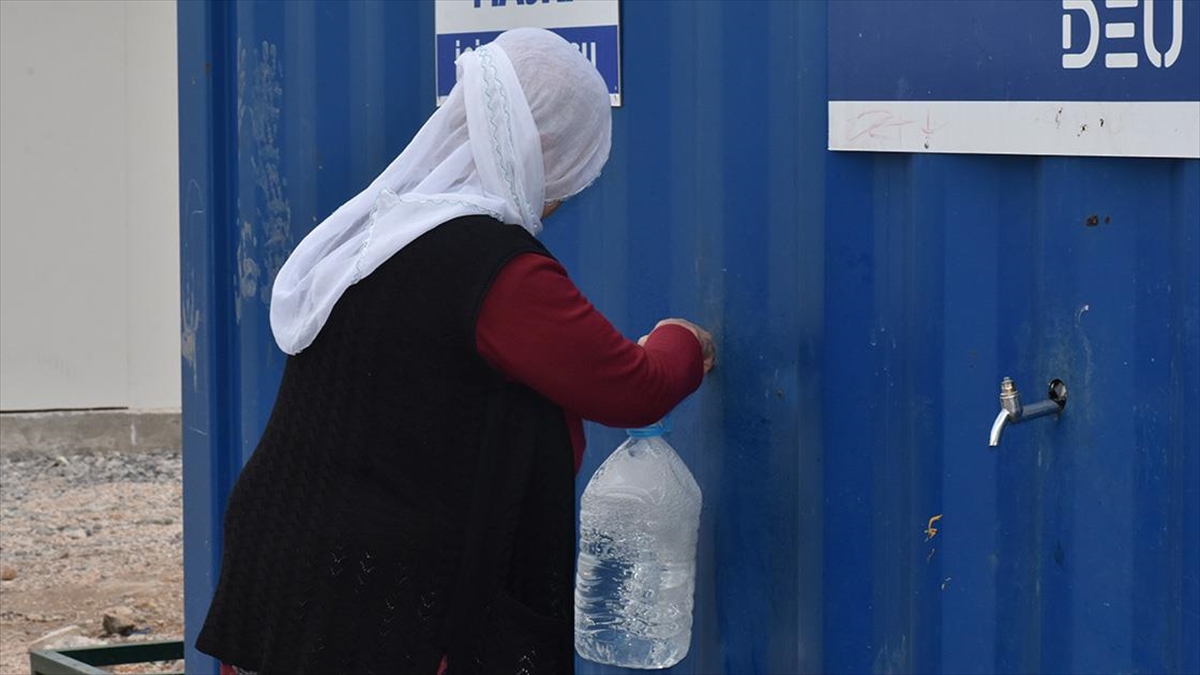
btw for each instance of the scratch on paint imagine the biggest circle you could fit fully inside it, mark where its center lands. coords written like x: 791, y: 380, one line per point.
x: 930, y: 530
x: 259, y: 78
x: 889, y: 661
x: 1080, y: 312
x: 190, y: 327
x: 247, y: 268
x: 945, y: 583
x: 195, y: 213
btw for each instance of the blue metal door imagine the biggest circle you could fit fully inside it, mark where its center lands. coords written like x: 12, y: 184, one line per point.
x: 866, y: 308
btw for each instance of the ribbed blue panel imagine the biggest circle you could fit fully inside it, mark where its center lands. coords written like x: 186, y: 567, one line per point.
x: 1073, y: 546
x: 286, y: 109
x: 866, y: 308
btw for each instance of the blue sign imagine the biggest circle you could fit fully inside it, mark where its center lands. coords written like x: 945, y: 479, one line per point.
x: 593, y: 26
x: 1091, y: 58
x: 597, y: 43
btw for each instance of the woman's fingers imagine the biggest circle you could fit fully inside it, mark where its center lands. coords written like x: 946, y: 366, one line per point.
x: 707, y: 346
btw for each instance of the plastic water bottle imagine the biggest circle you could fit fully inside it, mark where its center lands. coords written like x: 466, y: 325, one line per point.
x: 638, y: 523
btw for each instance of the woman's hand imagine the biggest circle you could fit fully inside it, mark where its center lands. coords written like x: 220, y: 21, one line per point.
x: 707, y: 348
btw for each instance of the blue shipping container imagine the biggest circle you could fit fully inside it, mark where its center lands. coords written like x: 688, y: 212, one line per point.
x: 866, y: 307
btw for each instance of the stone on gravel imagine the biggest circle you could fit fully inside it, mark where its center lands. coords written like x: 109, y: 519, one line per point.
x: 119, y: 621
x: 8, y: 574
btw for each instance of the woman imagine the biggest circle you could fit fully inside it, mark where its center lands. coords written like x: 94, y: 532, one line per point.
x: 410, y: 505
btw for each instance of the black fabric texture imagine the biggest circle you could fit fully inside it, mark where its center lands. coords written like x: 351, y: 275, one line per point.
x: 405, y: 502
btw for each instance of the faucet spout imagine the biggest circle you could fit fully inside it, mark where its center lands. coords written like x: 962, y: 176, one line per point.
x: 1012, y: 411
x: 998, y: 429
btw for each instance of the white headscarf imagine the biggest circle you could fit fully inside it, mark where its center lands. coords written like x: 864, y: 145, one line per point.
x: 528, y: 122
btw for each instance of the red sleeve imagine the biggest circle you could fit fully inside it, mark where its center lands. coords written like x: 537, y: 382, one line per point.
x: 538, y: 329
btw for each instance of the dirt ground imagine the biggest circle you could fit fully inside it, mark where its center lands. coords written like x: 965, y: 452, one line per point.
x: 81, y: 535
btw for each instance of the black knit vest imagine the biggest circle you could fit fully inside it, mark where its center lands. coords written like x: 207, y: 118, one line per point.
x: 406, y: 502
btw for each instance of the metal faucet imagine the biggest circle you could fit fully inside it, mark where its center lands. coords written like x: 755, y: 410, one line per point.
x: 1012, y: 412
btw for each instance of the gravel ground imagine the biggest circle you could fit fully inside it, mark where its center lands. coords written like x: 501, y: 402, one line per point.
x: 83, y: 534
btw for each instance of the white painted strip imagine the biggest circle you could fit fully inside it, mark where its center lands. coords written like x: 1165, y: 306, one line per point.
x: 1121, y: 60
x: 1085, y: 128
x: 1121, y: 4
x: 1118, y: 30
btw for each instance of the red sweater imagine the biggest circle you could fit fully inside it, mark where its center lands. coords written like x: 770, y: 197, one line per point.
x: 538, y: 329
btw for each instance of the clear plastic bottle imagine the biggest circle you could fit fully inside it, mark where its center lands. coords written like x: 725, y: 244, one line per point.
x: 638, y: 523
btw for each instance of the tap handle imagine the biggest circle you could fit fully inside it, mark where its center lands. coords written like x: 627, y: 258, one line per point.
x: 1010, y: 398
x: 1058, y: 392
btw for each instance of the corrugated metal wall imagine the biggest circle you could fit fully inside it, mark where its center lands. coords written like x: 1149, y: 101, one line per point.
x: 1074, y: 546
x: 866, y: 308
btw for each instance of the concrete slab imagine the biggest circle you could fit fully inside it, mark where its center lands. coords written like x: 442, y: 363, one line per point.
x: 76, y: 431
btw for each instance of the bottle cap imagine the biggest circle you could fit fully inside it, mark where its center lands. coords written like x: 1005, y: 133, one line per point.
x: 659, y: 428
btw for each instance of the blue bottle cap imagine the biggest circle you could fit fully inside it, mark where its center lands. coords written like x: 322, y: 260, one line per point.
x: 659, y: 428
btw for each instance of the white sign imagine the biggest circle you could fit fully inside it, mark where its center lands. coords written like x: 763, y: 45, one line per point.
x: 593, y: 26
x: 1107, y: 78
